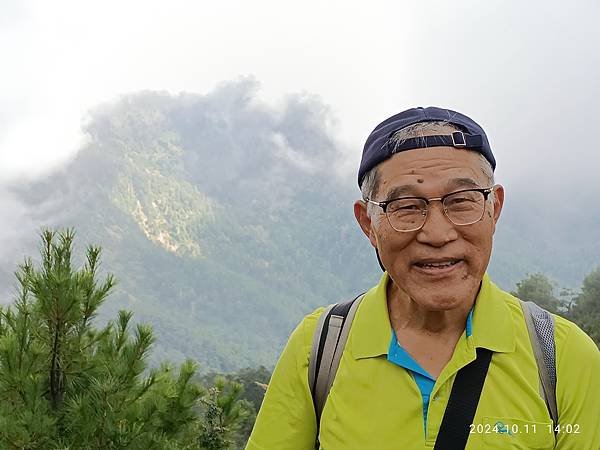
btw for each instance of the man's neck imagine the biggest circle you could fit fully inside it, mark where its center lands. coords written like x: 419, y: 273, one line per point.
x: 408, y: 316
x: 430, y: 337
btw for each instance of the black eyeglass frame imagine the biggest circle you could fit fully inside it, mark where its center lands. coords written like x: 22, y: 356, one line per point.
x: 383, y: 205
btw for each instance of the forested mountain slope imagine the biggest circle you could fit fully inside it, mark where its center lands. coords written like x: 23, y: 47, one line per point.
x: 225, y: 221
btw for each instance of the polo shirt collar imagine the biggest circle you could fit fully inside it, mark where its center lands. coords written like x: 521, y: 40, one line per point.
x: 492, y: 322
x: 371, y: 330
x: 372, y: 333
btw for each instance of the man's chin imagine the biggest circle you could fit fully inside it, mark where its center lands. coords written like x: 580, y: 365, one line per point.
x: 444, y: 298
x: 436, y: 303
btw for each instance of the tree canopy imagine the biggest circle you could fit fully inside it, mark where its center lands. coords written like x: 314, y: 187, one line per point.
x: 539, y: 289
x: 586, y: 311
x: 66, y: 384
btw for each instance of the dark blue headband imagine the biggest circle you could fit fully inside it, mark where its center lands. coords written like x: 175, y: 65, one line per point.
x: 378, y: 147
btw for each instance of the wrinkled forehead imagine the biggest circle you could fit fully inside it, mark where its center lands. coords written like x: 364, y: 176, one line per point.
x: 440, y: 169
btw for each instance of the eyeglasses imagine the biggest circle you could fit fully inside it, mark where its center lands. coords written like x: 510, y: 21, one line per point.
x: 463, y: 207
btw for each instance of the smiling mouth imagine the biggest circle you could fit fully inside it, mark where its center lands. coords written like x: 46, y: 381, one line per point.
x: 437, y: 265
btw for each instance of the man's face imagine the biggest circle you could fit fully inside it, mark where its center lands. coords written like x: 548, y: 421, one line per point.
x: 433, y: 172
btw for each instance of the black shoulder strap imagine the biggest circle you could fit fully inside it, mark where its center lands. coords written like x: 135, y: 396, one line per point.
x: 460, y: 411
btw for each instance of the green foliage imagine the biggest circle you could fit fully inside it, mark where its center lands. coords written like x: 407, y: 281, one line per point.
x: 250, y: 384
x: 253, y: 381
x: 582, y: 307
x: 65, y: 384
x: 586, y: 311
x: 224, y: 414
x: 539, y: 289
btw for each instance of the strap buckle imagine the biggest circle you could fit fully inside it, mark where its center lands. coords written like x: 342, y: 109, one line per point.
x: 458, y: 139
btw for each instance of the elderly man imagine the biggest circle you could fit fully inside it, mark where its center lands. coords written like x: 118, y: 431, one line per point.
x: 437, y: 356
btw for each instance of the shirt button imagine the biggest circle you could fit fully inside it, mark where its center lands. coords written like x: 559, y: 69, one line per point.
x: 435, y: 398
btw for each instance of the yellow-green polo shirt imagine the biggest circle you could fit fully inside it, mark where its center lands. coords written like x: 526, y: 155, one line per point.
x: 375, y: 404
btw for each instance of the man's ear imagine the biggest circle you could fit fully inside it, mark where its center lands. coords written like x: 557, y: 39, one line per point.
x: 364, y: 221
x: 498, y: 203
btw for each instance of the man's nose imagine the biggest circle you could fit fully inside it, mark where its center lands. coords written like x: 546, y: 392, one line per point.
x: 437, y: 230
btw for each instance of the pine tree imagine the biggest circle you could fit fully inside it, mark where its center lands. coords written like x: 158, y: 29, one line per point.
x: 224, y: 416
x: 66, y: 384
x: 251, y: 391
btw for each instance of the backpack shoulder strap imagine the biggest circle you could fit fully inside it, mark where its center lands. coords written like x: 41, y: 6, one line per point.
x: 462, y: 404
x: 329, y: 341
x: 314, y: 350
x: 540, y: 325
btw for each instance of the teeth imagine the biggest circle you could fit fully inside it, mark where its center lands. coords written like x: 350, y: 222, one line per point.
x: 440, y: 265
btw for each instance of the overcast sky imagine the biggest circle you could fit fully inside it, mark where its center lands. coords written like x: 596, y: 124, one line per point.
x: 527, y: 71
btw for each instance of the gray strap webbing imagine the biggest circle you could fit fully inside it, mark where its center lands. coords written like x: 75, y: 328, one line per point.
x: 333, y: 333
x: 336, y: 337
x: 540, y: 325
x: 312, y: 363
x: 339, y: 349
